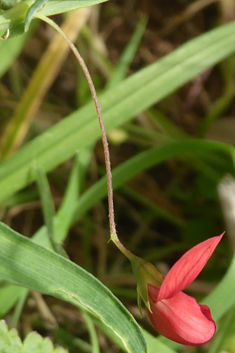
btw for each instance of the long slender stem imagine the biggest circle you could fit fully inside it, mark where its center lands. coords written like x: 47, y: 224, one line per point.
x: 113, y: 232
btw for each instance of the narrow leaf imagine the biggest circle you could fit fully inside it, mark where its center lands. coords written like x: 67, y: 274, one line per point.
x: 47, y: 202
x: 65, y: 213
x: 10, y: 49
x: 37, y: 268
x: 220, y: 299
x: 48, y: 210
x: 32, y: 10
x: 128, y: 54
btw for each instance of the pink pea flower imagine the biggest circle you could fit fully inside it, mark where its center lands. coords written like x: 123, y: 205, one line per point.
x: 175, y: 314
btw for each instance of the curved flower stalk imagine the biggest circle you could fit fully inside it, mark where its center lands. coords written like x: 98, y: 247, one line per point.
x: 175, y: 314
x: 172, y: 313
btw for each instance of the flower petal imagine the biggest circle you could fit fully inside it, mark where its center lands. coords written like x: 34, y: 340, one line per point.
x: 187, y: 268
x: 182, y: 319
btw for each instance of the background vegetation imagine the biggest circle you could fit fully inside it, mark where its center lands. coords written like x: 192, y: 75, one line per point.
x: 164, y: 72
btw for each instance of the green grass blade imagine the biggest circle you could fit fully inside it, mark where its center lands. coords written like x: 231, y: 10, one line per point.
x: 220, y: 299
x: 155, y: 345
x: 92, y: 333
x: 48, y: 209
x: 143, y: 161
x: 159, y: 211
x: 128, y: 170
x: 18, y: 308
x: 27, y: 264
x: 8, y: 297
x: 118, y: 105
x: 128, y: 54
x: 224, y: 330
x: 48, y: 206
x: 64, y: 215
x: 9, y: 50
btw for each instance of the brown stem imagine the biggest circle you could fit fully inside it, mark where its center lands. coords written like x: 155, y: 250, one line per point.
x: 113, y: 231
x: 104, y: 138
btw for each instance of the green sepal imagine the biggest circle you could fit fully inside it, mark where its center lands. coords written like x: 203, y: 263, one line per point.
x: 145, y: 273
x: 139, y: 302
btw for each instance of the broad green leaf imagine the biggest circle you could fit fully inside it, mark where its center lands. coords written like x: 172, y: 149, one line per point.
x: 27, y: 264
x: 14, y: 18
x: 118, y: 105
x: 53, y: 7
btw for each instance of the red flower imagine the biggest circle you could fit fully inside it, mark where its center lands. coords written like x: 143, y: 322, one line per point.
x: 175, y: 314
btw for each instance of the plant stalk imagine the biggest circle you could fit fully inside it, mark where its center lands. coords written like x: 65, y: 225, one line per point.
x: 113, y: 232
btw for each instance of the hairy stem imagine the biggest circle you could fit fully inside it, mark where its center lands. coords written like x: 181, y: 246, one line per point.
x: 113, y: 232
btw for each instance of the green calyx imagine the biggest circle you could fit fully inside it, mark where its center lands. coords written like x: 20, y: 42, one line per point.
x: 145, y: 273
